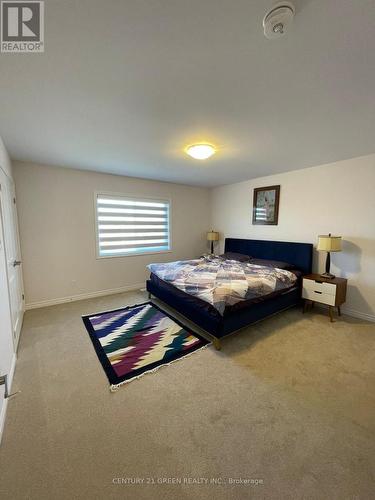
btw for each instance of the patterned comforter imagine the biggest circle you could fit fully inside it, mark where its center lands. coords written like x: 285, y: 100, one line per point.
x: 222, y: 282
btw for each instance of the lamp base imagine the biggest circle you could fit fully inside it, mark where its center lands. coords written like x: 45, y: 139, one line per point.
x: 328, y: 276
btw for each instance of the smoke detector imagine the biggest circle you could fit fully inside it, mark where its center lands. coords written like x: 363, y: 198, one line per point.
x: 278, y: 19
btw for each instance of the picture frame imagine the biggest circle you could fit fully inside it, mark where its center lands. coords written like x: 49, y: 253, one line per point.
x: 266, y: 205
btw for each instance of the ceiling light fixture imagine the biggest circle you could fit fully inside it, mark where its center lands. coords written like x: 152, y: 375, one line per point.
x: 200, y: 151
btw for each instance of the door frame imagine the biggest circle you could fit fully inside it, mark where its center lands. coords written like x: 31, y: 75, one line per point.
x: 3, y: 179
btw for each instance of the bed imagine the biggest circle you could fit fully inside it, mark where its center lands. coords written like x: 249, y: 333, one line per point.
x: 218, y: 325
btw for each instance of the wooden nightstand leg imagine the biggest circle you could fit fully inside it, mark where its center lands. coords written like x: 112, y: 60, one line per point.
x: 217, y: 344
x: 330, y: 314
x: 339, y: 310
x: 307, y: 305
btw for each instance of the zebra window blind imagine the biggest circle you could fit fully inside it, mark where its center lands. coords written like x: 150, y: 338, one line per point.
x: 131, y: 226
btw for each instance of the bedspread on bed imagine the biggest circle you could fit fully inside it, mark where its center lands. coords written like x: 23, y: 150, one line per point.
x: 223, y: 282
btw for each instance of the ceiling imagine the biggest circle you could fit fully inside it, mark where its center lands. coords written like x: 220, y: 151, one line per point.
x: 123, y: 86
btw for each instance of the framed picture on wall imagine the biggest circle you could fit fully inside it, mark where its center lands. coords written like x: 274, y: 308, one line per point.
x: 266, y: 205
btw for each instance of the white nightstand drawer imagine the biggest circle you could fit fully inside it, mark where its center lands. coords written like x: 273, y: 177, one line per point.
x: 327, y: 288
x: 318, y: 296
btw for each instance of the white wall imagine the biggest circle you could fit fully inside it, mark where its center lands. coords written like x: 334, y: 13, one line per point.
x: 337, y: 198
x: 57, y: 230
x: 7, y: 358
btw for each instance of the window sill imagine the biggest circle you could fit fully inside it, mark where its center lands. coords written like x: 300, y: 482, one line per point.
x: 141, y: 254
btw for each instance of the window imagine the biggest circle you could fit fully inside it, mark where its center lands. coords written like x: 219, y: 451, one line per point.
x: 131, y: 226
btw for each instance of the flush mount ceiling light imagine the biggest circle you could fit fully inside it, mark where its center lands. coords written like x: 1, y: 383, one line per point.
x: 278, y: 19
x: 200, y: 151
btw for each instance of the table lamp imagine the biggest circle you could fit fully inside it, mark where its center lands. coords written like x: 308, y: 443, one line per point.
x: 212, y: 236
x: 328, y: 243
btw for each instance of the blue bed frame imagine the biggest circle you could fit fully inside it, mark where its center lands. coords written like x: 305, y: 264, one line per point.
x: 217, y: 326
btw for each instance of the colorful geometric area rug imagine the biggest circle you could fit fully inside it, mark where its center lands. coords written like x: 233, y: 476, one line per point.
x: 138, y: 339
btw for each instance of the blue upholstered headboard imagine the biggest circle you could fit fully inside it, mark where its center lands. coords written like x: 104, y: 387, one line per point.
x: 298, y: 254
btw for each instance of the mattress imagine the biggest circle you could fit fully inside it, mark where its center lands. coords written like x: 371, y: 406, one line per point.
x: 225, y: 283
x: 229, y: 310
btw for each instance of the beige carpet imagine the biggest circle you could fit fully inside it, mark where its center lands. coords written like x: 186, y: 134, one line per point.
x: 289, y: 402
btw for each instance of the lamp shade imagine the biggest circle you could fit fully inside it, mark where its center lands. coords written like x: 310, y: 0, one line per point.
x: 328, y: 243
x: 212, y: 236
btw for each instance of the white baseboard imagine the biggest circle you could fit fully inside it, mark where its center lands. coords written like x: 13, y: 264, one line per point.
x: 351, y: 312
x: 141, y: 286
x: 83, y: 296
x: 358, y: 314
x: 5, y: 401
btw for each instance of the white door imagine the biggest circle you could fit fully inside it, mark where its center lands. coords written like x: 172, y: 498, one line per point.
x: 8, y: 212
x: 6, y: 341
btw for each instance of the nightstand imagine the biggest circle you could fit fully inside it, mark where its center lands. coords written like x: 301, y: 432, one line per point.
x: 317, y: 288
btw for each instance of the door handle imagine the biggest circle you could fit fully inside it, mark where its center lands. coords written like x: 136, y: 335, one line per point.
x: 17, y: 263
